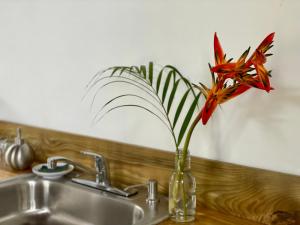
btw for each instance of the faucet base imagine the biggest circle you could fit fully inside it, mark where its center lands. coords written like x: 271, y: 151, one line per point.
x: 106, y: 188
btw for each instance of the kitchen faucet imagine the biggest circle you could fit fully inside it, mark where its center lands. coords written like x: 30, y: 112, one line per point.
x: 102, y: 181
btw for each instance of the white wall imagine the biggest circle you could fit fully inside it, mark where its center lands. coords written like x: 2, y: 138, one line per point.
x: 49, y: 50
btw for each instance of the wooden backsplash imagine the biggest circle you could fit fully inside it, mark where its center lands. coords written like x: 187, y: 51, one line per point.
x: 254, y: 194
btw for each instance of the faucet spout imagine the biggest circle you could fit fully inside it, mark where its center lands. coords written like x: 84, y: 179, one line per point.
x: 52, y: 163
x: 102, y: 173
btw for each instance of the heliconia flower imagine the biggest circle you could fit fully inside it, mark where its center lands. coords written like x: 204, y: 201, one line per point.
x: 237, y: 70
x: 217, y: 95
x: 258, y: 59
x: 254, y: 81
x: 232, y: 69
x: 259, y: 56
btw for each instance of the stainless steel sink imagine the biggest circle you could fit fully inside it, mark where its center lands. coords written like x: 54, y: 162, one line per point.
x: 30, y: 200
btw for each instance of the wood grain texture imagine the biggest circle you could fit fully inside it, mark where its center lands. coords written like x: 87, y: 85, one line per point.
x: 249, y: 193
x: 209, y: 217
x: 5, y: 173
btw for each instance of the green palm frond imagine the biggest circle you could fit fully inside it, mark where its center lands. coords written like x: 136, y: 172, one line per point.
x: 161, y: 88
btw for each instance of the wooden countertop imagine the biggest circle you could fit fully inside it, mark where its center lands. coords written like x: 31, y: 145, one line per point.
x: 204, y: 216
x: 208, y: 217
x: 4, y: 174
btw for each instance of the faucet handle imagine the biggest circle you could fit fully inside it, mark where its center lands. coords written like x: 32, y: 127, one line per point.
x: 88, y: 153
x: 100, y: 166
x: 99, y: 160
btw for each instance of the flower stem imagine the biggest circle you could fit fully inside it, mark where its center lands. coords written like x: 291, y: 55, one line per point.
x: 187, y: 141
x: 180, y: 164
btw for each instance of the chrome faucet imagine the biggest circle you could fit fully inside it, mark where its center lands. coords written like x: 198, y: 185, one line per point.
x: 52, y: 163
x: 102, y: 173
x: 102, y: 181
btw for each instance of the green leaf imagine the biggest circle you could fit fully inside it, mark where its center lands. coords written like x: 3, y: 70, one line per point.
x: 179, y: 108
x: 128, y: 95
x: 159, y: 80
x: 135, y: 72
x: 126, y: 80
x: 134, y: 69
x: 187, y: 119
x: 114, y: 70
x: 151, y: 72
x: 166, y: 86
x: 124, y: 69
x: 172, y: 95
x: 186, y: 81
x: 136, y: 106
x: 98, y: 74
x: 143, y: 71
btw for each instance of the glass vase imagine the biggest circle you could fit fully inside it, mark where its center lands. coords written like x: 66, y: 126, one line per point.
x: 182, y: 190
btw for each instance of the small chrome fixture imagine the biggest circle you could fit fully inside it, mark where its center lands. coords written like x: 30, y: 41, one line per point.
x: 151, y: 185
x: 152, y: 192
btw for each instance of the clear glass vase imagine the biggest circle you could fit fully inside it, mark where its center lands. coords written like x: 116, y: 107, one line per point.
x: 182, y: 191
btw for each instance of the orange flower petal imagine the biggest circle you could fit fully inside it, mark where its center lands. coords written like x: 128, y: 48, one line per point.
x: 219, y: 54
x: 264, y: 45
x: 262, y: 48
x: 263, y: 76
x: 209, y: 107
x: 258, y: 58
x: 223, y: 68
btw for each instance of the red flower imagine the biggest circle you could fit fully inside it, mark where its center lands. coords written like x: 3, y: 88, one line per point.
x: 259, y: 58
x: 219, y: 94
x: 231, y: 69
x: 238, y: 72
x: 241, y: 68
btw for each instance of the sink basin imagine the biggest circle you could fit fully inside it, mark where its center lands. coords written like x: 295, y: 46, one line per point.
x: 31, y: 200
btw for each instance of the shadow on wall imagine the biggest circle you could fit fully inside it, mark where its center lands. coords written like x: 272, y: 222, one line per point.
x: 267, y: 111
